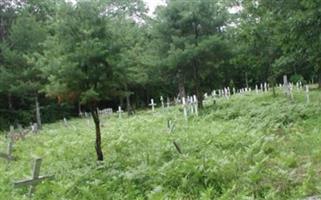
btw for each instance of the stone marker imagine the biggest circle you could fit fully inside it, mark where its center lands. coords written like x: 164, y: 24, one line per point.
x: 307, y: 96
x: 119, y: 112
x: 8, y: 155
x: 152, y: 104
x: 35, y: 180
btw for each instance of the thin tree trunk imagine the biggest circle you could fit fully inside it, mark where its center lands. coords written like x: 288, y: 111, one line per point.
x: 10, y: 102
x: 38, y: 115
x: 181, y: 87
x: 95, y: 116
x: 129, y: 108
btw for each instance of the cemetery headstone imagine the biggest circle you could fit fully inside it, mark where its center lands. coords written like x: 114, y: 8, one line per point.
x: 35, y: 179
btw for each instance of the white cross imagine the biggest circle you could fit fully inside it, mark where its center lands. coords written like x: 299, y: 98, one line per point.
x: 195, y: 102
x: 8, y: 154
x: 65, y: 122
x: 119, y: 112
x: 162, y: 101
x: 184, y: 108
x: 152, y: 104
x: 307, y: 97
x: 36, y: 179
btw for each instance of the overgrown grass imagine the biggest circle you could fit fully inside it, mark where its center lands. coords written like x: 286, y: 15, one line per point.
x: 248, y: 147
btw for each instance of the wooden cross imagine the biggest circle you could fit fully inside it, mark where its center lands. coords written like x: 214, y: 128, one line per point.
x: 119, y: 112
x: 152, y: 104
x: 8, y: 155
x: 171, y: 127
x: 35, y: 180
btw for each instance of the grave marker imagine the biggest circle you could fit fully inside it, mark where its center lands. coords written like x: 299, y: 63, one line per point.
x: 152, y: 104
x: 35, y: 180
x: 195, y: 104
x: 168, y: 102
x: 184, y: 108
x: 162, y: 101
x: 119, y: 112
x: 65, y: 122
x: 8, y: 155
x: 307, y: 96
x: 171, y: 127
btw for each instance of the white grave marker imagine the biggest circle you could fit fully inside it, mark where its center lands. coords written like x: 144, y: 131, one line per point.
x: 307, y: 96
x: 162, y: 102
x: 168, y: 102
x: 119, y: 112
x: 184, y: 108
x: 195, y: 103
x: 152, y: 104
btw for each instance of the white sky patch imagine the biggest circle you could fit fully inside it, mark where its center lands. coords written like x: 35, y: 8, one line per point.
x: 152, y: 4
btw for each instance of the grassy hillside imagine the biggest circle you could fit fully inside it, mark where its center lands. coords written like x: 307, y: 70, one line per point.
x: 248, y: 147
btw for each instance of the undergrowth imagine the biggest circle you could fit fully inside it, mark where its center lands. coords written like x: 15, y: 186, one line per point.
x: 248, y: 147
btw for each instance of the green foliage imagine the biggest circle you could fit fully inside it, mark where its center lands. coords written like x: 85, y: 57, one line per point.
x: 249, y: 147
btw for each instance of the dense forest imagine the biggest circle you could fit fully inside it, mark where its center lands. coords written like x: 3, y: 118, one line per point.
x: 58, y: 58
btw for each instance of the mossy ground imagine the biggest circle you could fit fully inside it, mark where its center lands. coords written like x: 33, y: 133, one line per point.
x: 249, y: 147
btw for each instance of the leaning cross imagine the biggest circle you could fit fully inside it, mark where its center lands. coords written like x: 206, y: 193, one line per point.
x: 36, y: 179
x: 152, y: 104
x: 8, y: 155
x: 119, y: 112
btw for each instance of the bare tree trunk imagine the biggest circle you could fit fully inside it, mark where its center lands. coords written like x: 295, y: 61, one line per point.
x: 38, y: 115
x: 10, y: 106
x: 95, y: 116
x: 181, y: 87
x: 79, y: 108
x: 129, y: 108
